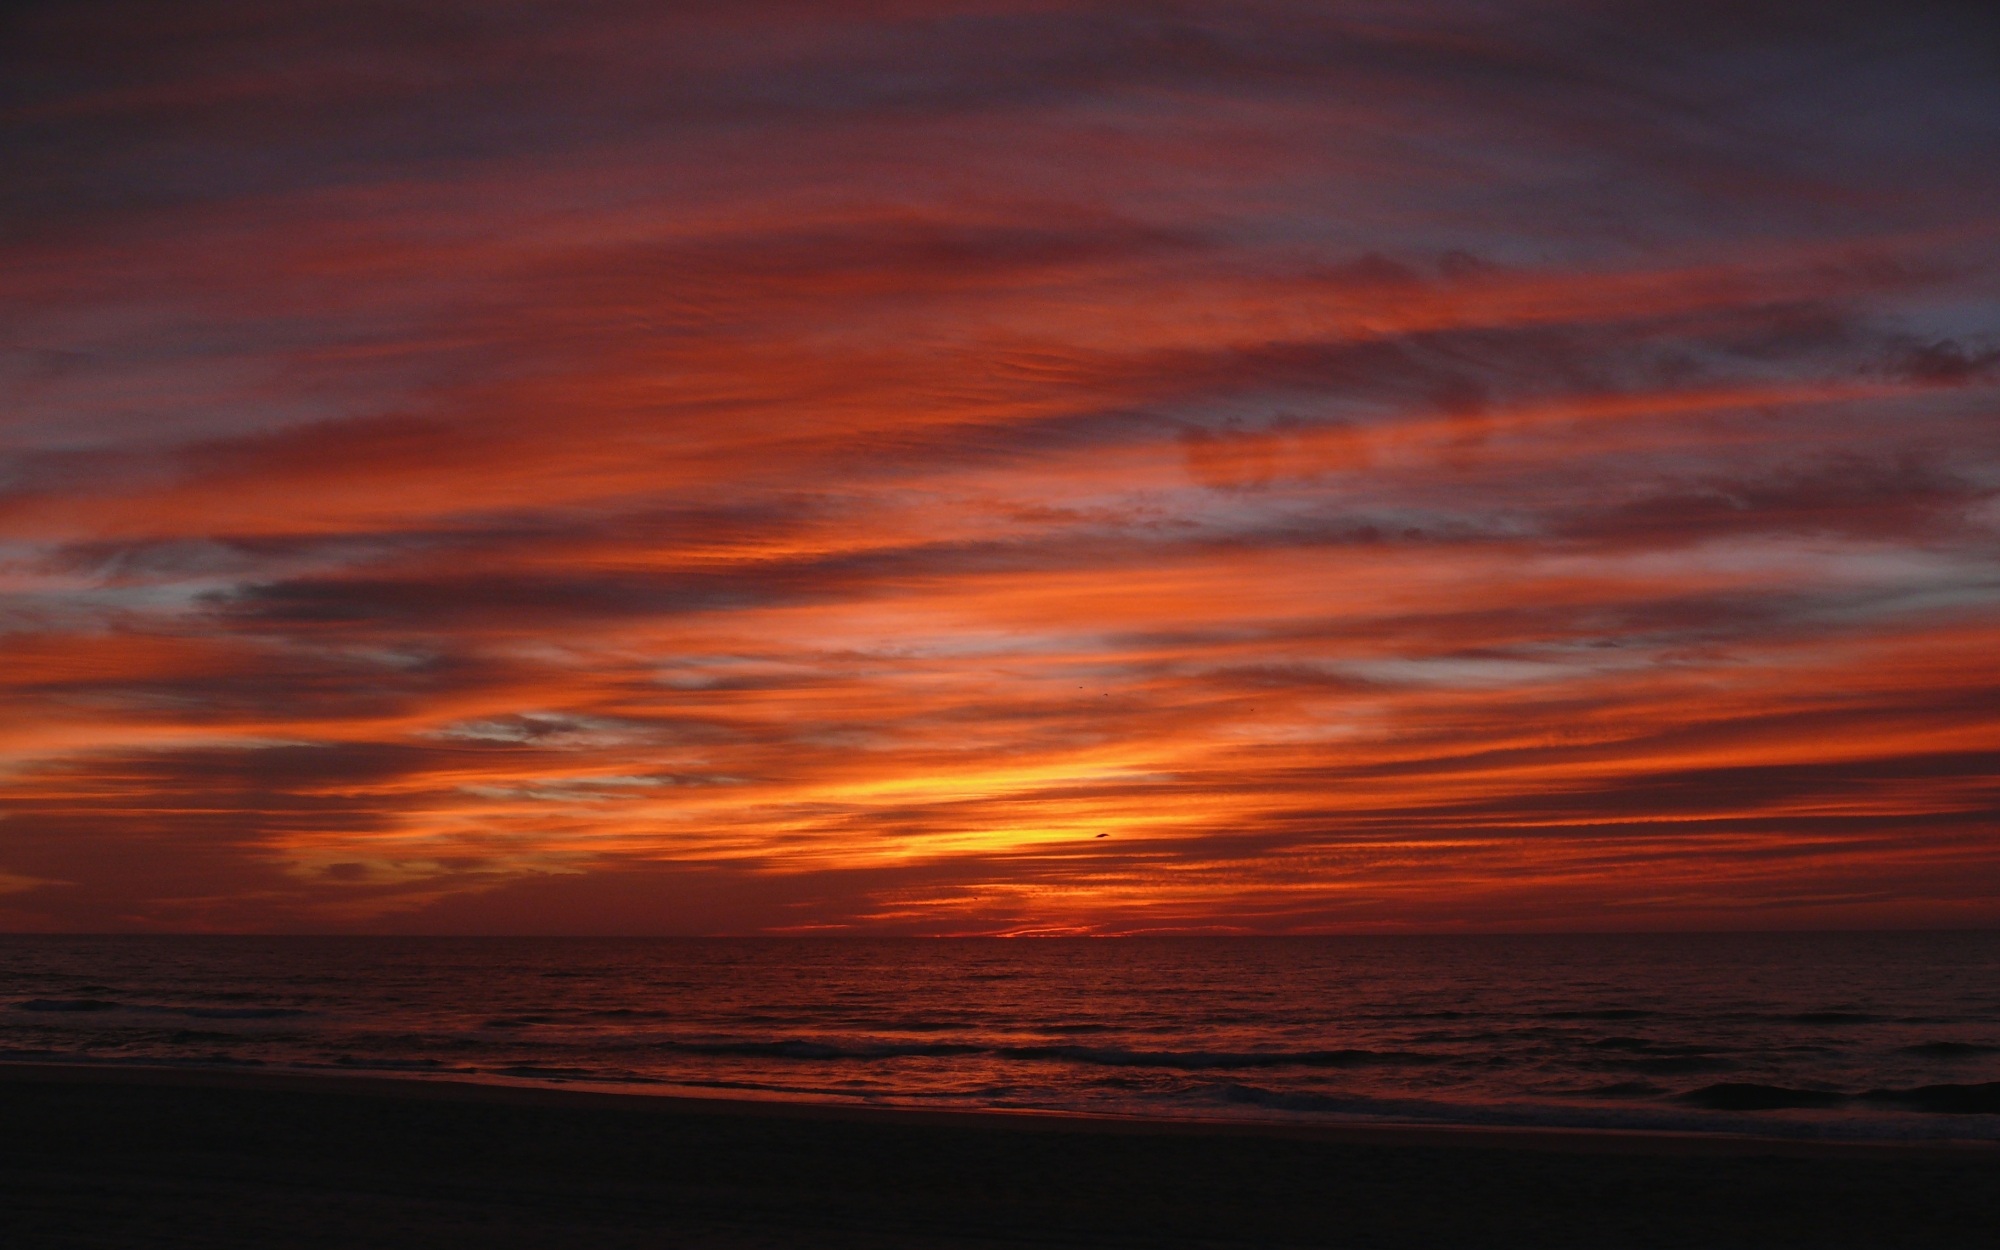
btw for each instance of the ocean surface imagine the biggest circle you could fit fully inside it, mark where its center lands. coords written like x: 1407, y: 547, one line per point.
x: 1883, y: 1036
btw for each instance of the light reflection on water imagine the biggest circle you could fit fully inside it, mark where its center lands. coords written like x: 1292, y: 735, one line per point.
x: 1880, y: 1035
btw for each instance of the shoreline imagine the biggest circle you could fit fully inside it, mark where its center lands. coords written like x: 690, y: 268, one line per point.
x: 521, y: 1092
x: 94, y: 1156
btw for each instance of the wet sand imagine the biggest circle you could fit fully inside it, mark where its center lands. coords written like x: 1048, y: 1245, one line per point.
x: 107, y: 1157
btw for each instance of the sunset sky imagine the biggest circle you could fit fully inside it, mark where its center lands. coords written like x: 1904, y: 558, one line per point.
x: 1013, y: 467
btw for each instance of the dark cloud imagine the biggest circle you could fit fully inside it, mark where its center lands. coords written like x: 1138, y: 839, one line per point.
x: 225, y: 682
x: 114, y: 106
x: 1895, y: 498
x: 1943, y: 362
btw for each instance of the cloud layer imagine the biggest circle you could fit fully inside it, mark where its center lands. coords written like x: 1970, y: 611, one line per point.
x: 999, y: 468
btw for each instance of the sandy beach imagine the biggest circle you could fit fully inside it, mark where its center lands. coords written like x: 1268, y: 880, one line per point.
x: 161, y: 1157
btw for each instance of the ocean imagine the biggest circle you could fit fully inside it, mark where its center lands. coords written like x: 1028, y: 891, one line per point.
x: 1859, y: 1036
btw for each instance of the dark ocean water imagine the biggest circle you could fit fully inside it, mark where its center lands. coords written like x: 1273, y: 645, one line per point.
x: 1848, y: 1035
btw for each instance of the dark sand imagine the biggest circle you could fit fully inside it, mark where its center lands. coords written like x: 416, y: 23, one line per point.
x: 143, y: 1158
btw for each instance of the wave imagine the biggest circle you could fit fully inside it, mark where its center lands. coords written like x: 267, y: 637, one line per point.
x: 805, y: 1048
x: 1280, y: 1100
x: 824, y: 1050
x: 390, y: 1065
x: 1208, y: 1060
x: 1949, y: 1050
x: 1938, y: 1099
x: 1943, y: 1099
x: 1623, y: 1089
x: 1681, y: 1065
x: 540, y: 1073
x: 238, y: 1013
x: 1750, y: 1096
x: 1601, y: 1013
x: 83, y: 1005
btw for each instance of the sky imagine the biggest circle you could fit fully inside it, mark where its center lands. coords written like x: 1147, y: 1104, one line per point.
x: 1028, y: 467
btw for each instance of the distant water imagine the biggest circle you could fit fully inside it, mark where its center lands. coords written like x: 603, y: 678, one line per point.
x: 1831, y: 1035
